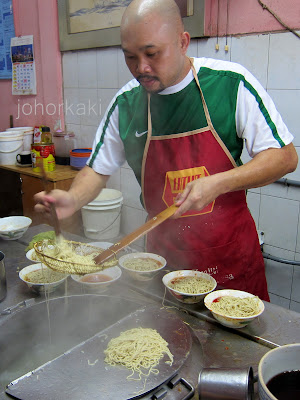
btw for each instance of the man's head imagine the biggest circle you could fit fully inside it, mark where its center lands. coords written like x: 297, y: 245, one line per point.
x: 154, y: 43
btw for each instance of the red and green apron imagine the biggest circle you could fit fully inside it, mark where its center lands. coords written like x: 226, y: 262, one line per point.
x: 221, y: 239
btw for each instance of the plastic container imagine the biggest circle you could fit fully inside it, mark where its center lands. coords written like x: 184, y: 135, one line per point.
x: 102, y: 217
x: 11, y: 143
x: 64, y: 142
x: 79, y: 157
x: 27, y: 135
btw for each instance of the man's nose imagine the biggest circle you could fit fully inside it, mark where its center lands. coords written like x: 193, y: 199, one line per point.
x: 143, y: 67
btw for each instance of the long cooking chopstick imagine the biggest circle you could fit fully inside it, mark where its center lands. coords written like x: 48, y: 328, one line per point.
x: 45, y: 180
x: 133, y: 236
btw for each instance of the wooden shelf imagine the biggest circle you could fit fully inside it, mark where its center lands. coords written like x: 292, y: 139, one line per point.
x: 61, y: 172
x: 61, y: 178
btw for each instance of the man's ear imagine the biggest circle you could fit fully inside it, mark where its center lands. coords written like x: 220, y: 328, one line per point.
x: 185, y: 41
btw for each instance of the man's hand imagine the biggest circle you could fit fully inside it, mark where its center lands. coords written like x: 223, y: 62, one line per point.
x: 198, y: 194
x: 85, y: 187
x: 64, y: 203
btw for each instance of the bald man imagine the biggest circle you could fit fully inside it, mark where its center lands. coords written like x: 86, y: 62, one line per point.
x: 181, y: 124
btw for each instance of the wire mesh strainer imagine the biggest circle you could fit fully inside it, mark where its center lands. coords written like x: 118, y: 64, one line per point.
x: 48, y: 252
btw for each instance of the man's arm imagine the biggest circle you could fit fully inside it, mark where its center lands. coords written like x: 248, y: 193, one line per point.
x: 265, y: 168
x: 85, y: 187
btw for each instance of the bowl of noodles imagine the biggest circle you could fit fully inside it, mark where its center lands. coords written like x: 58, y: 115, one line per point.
x: 189, y: 286
x: 41, y: 279
x: 142, y: 266
x: 234, y: 308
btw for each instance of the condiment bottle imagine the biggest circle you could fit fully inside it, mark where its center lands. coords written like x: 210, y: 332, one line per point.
x: 46, y: 136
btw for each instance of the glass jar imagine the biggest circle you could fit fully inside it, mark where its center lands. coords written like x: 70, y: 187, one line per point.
x: 46, y: 137
x: 64, y: 142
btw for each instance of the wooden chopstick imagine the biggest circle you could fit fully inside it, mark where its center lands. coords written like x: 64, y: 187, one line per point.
x: 133, y: 236
x: 45, y: 180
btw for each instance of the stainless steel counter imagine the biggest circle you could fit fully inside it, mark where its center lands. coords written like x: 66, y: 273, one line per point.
x: 213, y: 344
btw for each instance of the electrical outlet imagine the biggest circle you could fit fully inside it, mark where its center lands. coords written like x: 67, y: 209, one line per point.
x: 261, y: 237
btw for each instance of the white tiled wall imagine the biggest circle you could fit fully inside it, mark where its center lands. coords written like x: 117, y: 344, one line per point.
x: 92, y: 77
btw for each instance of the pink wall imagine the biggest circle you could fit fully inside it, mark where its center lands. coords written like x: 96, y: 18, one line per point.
x: 248, y: 16
x: 38, y: 18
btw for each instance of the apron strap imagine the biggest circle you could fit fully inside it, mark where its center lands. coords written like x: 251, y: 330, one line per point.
x: 149, y: 135
x: 208, y: 119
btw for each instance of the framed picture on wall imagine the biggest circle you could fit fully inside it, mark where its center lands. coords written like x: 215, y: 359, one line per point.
x: 87, y: 24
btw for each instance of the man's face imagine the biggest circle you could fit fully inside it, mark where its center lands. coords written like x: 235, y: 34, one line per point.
x: 154, y: 54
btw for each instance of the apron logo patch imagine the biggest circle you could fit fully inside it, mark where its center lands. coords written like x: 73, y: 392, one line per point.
x: 176, y: 181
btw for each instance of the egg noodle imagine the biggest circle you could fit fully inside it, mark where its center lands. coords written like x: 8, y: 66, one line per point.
x: 140, y: 350
x: 142, y: 264
x: 191, y: 284
x: 236, y: 306
x: 43, y: 275
x: 66, y: 252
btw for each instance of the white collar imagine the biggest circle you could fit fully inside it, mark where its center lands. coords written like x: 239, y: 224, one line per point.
x: 182, y: 84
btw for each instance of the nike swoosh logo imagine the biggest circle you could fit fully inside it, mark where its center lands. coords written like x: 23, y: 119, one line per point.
x: 140, y: 134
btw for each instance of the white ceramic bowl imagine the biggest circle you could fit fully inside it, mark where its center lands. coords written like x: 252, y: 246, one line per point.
x: 12, y: 228
x: 231, y: 322
x: 187, y: 298
x: 277, y: 361
x: 91, y: 282
x: 31, y: 255
x: 41, y: 287
x: 142, y: 275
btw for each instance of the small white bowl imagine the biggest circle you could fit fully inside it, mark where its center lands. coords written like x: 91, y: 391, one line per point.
x: 94, y: 285
x: 41, y: 287
x: 142, y: 275
x: 231, y: 322
x: 187, y: 298
x: 31, y: 255
x: 12, y: 228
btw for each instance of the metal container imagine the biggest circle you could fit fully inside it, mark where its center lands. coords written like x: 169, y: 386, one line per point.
x: 3, y: 288
x: 226, y: 384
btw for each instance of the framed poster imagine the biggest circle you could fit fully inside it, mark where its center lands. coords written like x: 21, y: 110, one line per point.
x: 87, y: 24
x: 7, y: 31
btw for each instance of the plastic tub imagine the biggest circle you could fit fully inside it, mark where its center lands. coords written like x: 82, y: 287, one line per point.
x: 79, y: 157
x: 27, y: 135
x: 102, y: 217
x: 11, y: 143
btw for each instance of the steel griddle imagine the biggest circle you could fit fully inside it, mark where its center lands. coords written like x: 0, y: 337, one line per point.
x: 81, y: 373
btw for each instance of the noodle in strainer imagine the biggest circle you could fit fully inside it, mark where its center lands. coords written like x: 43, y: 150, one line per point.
x: 70, y: 257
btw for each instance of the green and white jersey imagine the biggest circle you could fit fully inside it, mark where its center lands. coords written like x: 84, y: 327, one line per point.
x: 240, y: 109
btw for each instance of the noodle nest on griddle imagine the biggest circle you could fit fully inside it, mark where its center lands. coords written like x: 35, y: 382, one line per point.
x: 139, y: 350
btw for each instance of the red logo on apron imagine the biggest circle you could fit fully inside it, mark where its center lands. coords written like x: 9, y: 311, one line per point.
x: 176, y: 181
